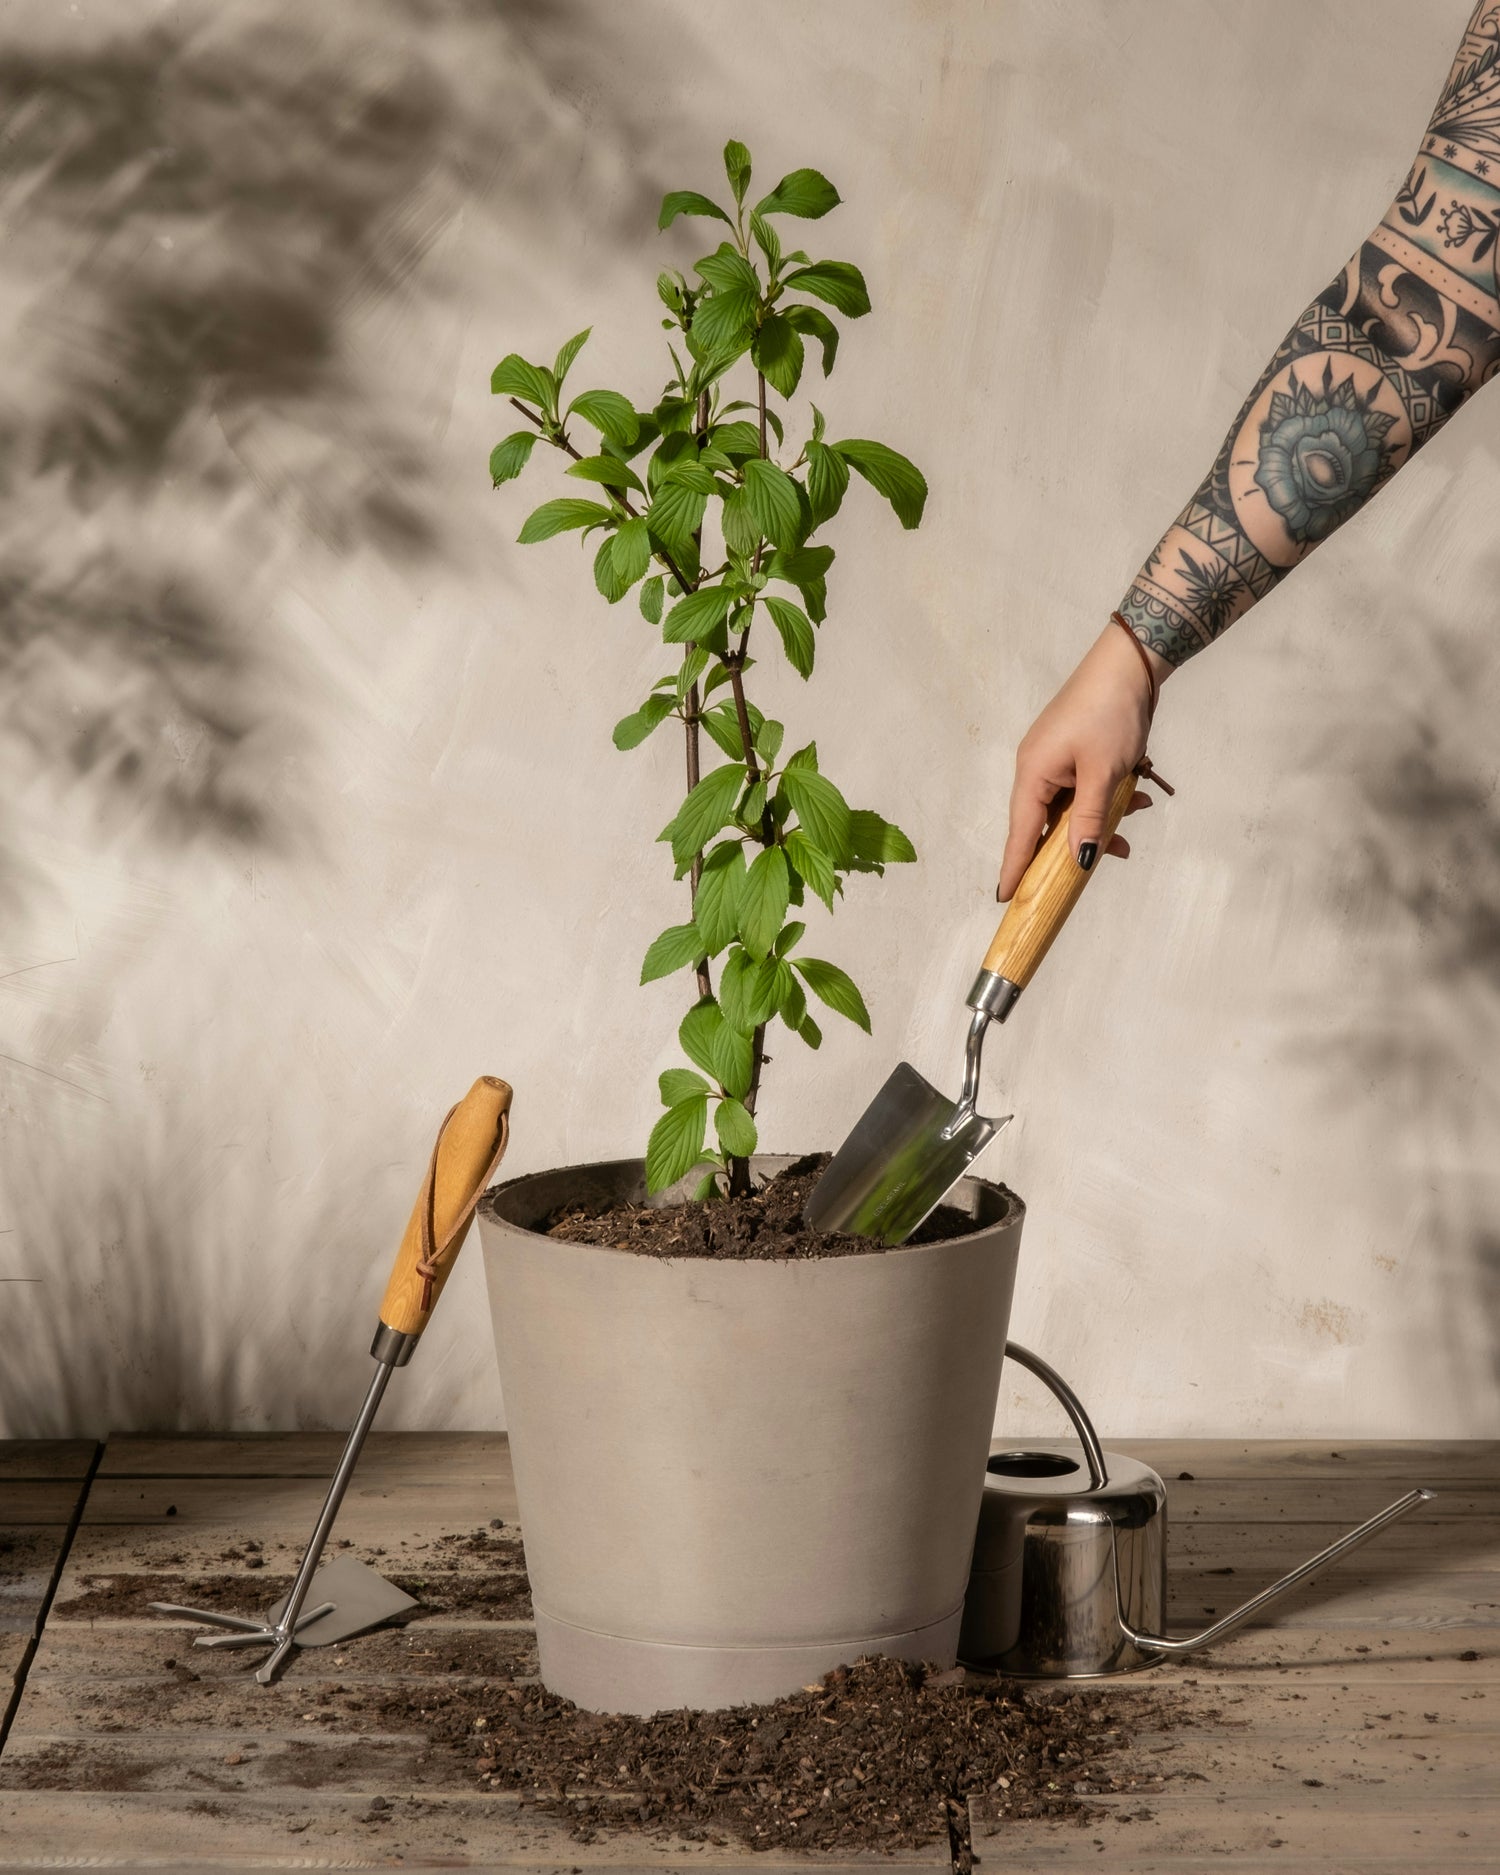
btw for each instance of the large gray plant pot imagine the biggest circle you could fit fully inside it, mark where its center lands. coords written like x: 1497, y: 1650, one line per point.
x: 736, y: 1474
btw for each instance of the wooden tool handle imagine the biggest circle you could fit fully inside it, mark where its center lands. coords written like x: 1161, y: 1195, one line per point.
x: 1048, y: 891
x: 470, y: 1144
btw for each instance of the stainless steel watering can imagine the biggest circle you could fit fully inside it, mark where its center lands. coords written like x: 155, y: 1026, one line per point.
x: 1069, y: 1574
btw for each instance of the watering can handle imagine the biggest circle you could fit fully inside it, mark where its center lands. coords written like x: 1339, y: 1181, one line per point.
x: 1072, y: 1405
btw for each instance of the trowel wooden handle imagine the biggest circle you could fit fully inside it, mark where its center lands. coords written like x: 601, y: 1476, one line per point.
x: 470, y: 1144
x: 1049, y: 889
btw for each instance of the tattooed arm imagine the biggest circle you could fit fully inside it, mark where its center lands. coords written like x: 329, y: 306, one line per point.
x: 1405, y: 333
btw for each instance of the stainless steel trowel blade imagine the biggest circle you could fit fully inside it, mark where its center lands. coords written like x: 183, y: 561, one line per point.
x: 361, y: 1596
x: 899, y: 1162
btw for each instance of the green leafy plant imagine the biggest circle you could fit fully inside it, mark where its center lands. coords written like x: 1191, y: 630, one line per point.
x: 673, y: 488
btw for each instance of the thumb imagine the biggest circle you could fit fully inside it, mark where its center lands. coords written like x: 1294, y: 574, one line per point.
x: 1090, y: 813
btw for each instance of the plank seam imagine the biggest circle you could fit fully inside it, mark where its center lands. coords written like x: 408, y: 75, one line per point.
x: 28, y: 1653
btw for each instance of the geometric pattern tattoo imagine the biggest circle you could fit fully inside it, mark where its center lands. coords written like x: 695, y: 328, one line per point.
x: 1405, y: 334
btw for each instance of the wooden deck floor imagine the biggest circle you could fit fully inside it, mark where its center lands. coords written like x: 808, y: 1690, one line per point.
x: 1359, y: 1732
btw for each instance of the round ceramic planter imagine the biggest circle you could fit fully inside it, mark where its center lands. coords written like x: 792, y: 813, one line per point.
x: 736, y: 1474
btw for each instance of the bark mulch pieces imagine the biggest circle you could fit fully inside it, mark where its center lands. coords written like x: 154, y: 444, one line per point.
x: 766, y: 1224
x: 879, y: 1756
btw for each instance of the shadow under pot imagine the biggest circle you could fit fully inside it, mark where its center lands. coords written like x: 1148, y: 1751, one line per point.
x: 734, y: 1474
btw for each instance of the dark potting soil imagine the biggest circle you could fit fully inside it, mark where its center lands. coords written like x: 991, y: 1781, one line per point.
x: 768, y: 1223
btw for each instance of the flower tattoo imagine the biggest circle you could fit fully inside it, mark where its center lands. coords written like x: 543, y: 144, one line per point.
x: 1321, y: 454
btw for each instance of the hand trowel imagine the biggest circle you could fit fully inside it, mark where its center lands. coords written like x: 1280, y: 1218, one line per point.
x: 913, y: 1144
x: 345, y: 1597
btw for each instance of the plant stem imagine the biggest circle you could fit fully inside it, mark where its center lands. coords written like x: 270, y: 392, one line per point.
x: 690, y: 728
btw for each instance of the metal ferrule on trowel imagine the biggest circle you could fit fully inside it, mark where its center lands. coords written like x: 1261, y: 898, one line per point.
x: 912, y: 1144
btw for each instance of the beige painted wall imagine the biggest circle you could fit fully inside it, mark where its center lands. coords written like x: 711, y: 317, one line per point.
x: 284, y: 875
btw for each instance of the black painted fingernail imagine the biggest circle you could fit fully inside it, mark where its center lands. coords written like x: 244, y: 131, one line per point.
x: 1088, y: 853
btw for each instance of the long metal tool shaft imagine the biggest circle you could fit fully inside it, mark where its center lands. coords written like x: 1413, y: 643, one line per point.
x: 286, y: 1628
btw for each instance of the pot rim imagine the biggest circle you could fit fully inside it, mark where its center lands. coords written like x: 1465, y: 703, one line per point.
x: 1013, y: 1214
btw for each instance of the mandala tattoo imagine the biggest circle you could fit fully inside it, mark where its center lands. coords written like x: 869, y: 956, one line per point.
x: 1376, y: 365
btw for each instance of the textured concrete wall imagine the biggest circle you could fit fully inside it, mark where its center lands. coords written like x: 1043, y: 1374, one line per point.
x: 308, y: 808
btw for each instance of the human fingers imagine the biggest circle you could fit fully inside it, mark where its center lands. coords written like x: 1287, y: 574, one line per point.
x: 1031, y: 797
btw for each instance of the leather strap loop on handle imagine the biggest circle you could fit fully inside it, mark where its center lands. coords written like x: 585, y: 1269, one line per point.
x: 470, y: 1144
x: 1049, y: 889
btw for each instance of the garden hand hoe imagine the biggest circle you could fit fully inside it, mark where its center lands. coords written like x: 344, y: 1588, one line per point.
x: 348, y: 1596
x: 911, y: 1146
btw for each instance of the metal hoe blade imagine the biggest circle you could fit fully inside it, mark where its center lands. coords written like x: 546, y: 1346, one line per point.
x: 907, y: 1152
x: 325, y: 1604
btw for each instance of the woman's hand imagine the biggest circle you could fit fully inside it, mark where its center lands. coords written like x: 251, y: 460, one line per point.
x: 1088, y: 738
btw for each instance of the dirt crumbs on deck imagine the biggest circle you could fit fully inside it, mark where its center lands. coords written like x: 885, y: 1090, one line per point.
x: 880, y: 1755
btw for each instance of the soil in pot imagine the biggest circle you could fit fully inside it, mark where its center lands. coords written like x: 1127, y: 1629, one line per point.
x: 768, y: 1223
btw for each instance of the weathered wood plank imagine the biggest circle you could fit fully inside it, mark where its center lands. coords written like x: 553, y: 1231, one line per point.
x: 45, y: 1458
x: 284, y: 1509
x: 1345, y: 1500
x: 452, y: 1457
x: 1362, y: 1827
x: 1415, y: 1461
x: 100, y: 1653
x: 312, y: 1827
x: 35, y: 1502
x: 1412, y: 1546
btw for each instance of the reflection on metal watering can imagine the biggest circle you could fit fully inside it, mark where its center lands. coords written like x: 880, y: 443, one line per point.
x: 1069, y: 1573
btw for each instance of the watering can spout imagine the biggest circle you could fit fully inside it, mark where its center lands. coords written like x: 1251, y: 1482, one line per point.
x: 1171, y: 1649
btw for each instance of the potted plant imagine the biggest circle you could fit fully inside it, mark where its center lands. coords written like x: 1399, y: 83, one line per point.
x: 735, y: 1469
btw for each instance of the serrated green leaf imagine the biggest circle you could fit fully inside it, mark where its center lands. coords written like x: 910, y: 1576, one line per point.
x: 768, y: 738
x: 727, y: 270
x: 796, y: 631
x: 723, y: 726
x: 686, y: 473
x: 827, y: 479
x: 805, y: 568
x: 741, y: 535
x: 747, y: 990
x: 737, y: 440
x: 608, y: 470
x: 514, y: 377
x: 651, y: 597
x: 818, y: 424
x: 821, y: 810
x: 804, y: 192
x: 777, y: 352
x: 754, y: 804
x: 789, y: 938
x: 724, y: 319
x: 633, y: 730
x: 813, y: 864
x: 816, y: 325
x: 772, y: 496
x: 676, y: 1143
x: 568, y: 353
x: 632, y: 550
x: 735, y: 1128
x: 877, y: 842
x: 792, y: 1007
x: 709, y: 807
x: 607, y: 575
x: 693, y: 667
x: 810, y: 1032
x: 901, y: 482
x: 716, y: 909
x: 719, y: 1050
x: 611, y: 414
x: 679, y: 1084
x: 763, y: 901
x: 737, y: 167
x: 767, y: 238
x: 839, y: 282
x: 805, y: 757
x: 832, y: 986
x: 507, y: 459
x: 675, y: 515
x: 707, y: 1188
x: 698, y: 615
x: 556, y: 517
x: 687, y: 202
x: 678, y: 947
